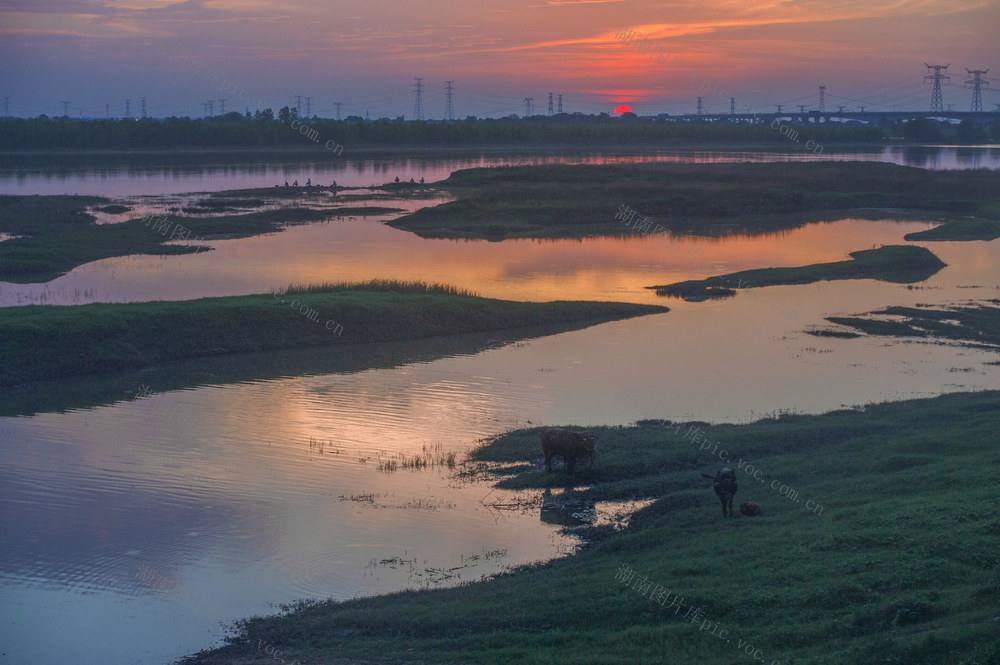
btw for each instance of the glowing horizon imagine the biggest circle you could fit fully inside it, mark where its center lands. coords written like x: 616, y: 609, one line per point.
x: 95, y: 54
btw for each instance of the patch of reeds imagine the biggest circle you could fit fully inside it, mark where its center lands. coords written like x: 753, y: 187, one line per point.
x: 428, y: 457
x: 385, y: 285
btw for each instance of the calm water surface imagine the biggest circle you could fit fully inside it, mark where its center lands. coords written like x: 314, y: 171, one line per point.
x: 130, y: 530
x: 171, y: 173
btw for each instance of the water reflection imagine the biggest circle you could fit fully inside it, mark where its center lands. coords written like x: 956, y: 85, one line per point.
x: 538, y: 270
x: 129, y: 174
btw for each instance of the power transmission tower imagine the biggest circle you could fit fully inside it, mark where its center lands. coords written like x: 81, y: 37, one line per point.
x: 143, y: 107
x: 862, y: 108
x: 65, y: 108
x: 732, y: 106
x: 699, y: 106
x: 560, y: 104
x: 128, y: 103
x: 978, y: 82
x: 309, y: 106
x: 822, y: 99
x: 936, y: 78
x: 779, y: 107
x: 211, y: 107
x: 529, y: 107
x: 338, y: 105
x: 802, y: 108
x: 107, y: 110
x: 298, y: 105
x: 418, y: 104
x: 551, y: 110
x: 449, y: 110
x: 222, y: 107
x: 840, y: 109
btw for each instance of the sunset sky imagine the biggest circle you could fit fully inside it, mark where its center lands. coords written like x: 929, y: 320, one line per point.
x: 95, y: 54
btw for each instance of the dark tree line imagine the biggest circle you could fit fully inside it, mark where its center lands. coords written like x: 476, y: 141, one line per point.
x: 284, y: 129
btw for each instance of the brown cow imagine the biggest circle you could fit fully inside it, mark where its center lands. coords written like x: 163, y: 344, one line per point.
x: 750, y: 509
x: 724, y: 484
x: 568, y: 445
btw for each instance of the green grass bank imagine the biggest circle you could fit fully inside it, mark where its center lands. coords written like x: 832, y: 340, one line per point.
x: 39, y: 342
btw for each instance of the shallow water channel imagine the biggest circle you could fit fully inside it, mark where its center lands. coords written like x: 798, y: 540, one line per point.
x: 130, y: 529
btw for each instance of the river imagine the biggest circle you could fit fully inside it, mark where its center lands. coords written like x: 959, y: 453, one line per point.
x: 133, y: 527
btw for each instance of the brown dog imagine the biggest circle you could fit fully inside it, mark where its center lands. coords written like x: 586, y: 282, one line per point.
x: 750, y: 509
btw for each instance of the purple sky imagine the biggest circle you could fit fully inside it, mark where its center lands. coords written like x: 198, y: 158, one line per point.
x: 98, y: 53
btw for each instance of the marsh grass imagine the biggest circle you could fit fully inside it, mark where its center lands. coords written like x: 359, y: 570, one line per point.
x: 380, y: 285
x: 573, y: 201
x: 975, y: 324
x: 890, y: 263
x: 55, y: 234
x: 429, y: 457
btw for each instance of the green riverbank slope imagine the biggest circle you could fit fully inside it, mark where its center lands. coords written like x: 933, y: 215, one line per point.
x: 877, y: 543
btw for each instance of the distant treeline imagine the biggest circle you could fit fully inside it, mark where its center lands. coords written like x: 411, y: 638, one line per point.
x: 237, y: 130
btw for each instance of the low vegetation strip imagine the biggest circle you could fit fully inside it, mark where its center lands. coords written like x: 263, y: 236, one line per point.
x: 902, y: 562
x: 55, y: 234
x: 976, y: 324
x: 40, y: 342
x: 571, y: 201
x: 891, y: 263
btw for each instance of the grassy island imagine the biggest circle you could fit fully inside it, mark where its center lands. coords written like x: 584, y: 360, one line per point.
x: 55, y: 234
x: 573, y: 201
x: 39, y: 342
x: 893, y: 263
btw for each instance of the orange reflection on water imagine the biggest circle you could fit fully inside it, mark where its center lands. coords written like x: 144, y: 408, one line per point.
x: 536, y: 270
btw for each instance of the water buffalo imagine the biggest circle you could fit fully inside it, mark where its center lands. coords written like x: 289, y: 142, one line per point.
x: 750, y: 509
x: 568, y: 445
x: 724, y: 484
